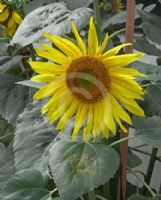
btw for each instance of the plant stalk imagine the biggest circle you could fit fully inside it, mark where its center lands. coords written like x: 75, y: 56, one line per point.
x: 143, y: 182
x: 97, y: 19
x: 121, y: 140
x: 32, y: 52
x: 91, y: 195
x: 106, y: 191
x: 150, y: 169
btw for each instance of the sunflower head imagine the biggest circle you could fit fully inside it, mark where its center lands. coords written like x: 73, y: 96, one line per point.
x: 10, y: 19
x: 85, y: 83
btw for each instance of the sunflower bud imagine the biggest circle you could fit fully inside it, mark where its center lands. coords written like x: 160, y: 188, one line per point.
x: 10, y: 19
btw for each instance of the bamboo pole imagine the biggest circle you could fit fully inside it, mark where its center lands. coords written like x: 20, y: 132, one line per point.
x: 130, y: 24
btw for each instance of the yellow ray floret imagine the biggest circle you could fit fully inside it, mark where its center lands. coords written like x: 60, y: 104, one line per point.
x: 87, y: 84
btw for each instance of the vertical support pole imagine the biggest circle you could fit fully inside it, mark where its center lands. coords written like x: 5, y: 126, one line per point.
x: 130, y: 23
x: 115, y: 6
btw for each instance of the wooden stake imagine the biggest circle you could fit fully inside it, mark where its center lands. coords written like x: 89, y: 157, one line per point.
x: 130, y: 23
x: 115, y: 6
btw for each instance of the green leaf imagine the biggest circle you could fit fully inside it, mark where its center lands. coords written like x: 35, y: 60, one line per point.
x: 143, y: 45
x: 54, y: 19
x: 6, y: 162
x: 121, y: 17
x: 152, y: 32
x: 74, y: 4
x: 138, y: 197
x: 148, y: 130
x: 151, y: 104
x: 157, y: 197
x: 133, y: 160
x: 8, y: 62
x: 150, y: 18
x: 78, y: 167
x: 6, y: 131
x: 27, y: 184
x: 32, y: 139
x: 32, y: 84
x: 13, y: 98
x: 152, y: 72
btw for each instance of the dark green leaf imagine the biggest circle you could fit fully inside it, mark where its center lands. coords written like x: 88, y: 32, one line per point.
x: 32, y: 139
x: 152, y: 32
x: 148, y: 130
x: 133, y: 160
x: 6, y: 162
x: 152, y: 104
x: 13, y: 98
x: 74, y: 4
x: 78, y: 167
x: 152, y: 72
x: 143, y: 45
x: 27, y: 184
x: 157, y: 197
x: 6, y: 131
x: 54, y: 19
x: 138, y: 197
x: 7, y: 63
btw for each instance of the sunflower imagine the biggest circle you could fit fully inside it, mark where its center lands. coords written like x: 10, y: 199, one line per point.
x: 88, y: 85
x: 9, y: 19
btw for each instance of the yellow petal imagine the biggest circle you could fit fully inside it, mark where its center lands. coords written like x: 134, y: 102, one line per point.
x: 118, y: 110
x: 103, y: 46
x: 44, y: 78
x: 57, y: 112
x: 67, y: 115
x: 16, y: 17
x: 92, y: 39
x: 125, y: 71
x: 4, y: 15
x: 66, y: 46
x: 12, y: 30
x: 96, y: 129
x: 11, y: 23
x: 114, y: 51
x: 47, y: 68
x: 121, y: 60
x: 108, y: 116
x: 79, y: 40
x: 117, y: 89
x: 79, y: 119
x: 48, y: 89
x: 52, y: 54
x: 135, y: 110
x: 89, y: 124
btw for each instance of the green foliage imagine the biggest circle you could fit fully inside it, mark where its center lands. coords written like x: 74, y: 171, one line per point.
x: 148, y: 130
x: 78, y: 167
x: 74, y: 4
x: 138, y: 197
x: 54, y: 19
x: 32, y: 139
x: 13, y: 98
x: 133, y: 160
x: 27, y: 184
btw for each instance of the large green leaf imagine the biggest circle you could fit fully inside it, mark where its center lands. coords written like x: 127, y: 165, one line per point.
x: 152, y: 32
x: 8, y: 63
x: 138, y: 197
x: 78, y: 167
x: 32, y: 139
x: 54, y: 19
x: 133, y: 160
x: 152, y: 72
x: 157, y: 197
x: 148, y: 130
x: 121, y: 17
x: 142, y: 44
x: 73, y: 4
x: 6, y: 131
x: 152, y: 103
x: 13, y: 98
x: 27, y: 184
x: 6, y: 162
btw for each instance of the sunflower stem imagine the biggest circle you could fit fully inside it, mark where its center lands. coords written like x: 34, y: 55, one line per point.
x: 97, y: 19
x: 91, y: 195
x: 142, y: 181
x: 150, y: 169
x: 106, y: 190
x: 121, y: 140
x: 32, y: 52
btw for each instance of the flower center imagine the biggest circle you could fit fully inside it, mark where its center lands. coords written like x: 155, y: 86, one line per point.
x: 88, y: 79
